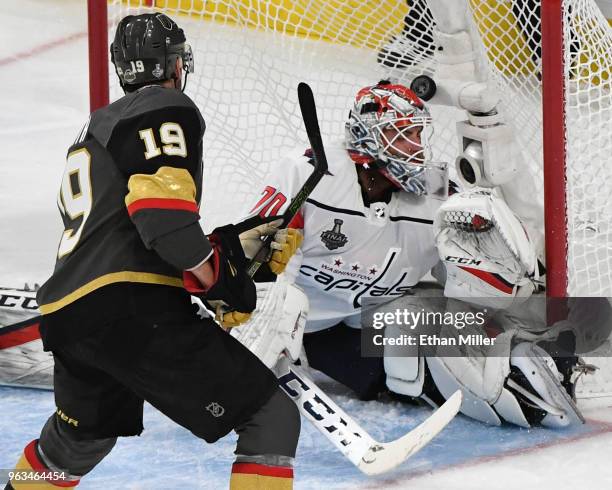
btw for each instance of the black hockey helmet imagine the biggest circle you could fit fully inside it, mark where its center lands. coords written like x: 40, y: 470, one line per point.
x: 145, y: 50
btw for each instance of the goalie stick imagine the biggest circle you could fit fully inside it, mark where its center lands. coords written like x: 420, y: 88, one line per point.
x: 311, y: 123
x: 370, y: 456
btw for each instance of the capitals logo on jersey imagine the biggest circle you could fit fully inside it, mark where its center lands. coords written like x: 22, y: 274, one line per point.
x: 334, y: 238
x: 374, y: 283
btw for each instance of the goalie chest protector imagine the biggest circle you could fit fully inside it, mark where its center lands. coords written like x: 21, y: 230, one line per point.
x: 351, y: 252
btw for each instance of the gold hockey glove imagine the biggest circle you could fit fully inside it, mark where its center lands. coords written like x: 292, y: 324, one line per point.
x: 285, y: 244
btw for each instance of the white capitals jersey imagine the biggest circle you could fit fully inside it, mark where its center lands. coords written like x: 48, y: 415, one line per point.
x: 350, y: 252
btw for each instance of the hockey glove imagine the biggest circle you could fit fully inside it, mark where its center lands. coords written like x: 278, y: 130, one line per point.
x: 244, y: 241
x: 232, y: 286
x: 283, y: 246
x: 486, y: 248
x: 231, y: 319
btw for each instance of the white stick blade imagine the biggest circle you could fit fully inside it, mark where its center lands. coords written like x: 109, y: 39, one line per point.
x: 385, y: 456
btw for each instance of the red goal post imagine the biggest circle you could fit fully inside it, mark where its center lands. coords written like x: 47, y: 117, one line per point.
x: 97, y: 24
x: 98, y: 48
x: 553, y: 127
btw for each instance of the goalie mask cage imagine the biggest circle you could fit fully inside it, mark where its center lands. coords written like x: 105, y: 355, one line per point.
x: 549, y: 60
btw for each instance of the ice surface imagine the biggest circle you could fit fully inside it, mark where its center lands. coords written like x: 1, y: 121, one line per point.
x: 466, y: 455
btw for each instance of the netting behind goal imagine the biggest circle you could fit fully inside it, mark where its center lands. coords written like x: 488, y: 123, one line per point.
x: 251, y: 54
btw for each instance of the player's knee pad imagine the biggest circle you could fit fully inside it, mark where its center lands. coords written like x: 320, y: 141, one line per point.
x: 47, y: 477
x: 406, y: 371
x: 250, y: 474
x: 271, y: 434
x: 59, y: 449
x: 404, y: 367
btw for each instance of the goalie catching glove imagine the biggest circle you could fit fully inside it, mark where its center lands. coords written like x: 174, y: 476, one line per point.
x: 485, y: 247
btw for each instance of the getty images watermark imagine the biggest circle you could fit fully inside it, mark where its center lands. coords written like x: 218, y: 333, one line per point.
x: 430, y: 324
x: 412, y: 325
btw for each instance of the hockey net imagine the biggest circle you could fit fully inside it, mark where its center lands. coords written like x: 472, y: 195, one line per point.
x: 251, y: 54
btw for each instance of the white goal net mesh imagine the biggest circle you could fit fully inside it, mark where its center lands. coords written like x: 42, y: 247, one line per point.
x: 251, y: 54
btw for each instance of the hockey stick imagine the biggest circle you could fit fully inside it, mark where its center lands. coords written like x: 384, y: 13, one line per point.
x: 370, y: 456
x: 311, y: 123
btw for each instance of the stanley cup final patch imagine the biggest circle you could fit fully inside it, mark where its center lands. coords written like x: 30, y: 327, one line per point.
x: 157, y: 72
x: 334, y: 238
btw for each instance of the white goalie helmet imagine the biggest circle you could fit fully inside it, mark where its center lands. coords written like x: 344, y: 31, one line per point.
x: 389, y: 129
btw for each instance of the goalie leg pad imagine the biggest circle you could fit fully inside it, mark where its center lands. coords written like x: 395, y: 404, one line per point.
x: 404, y: 364
x: 532, y: 392
x: 473, y: 405
x: 405, y: 372
x: 277, y: 326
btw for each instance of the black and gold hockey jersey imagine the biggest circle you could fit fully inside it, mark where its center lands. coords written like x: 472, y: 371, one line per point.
x: 129, y: 198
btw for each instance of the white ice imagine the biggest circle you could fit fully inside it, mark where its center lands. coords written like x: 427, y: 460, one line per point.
x: 43, y: 78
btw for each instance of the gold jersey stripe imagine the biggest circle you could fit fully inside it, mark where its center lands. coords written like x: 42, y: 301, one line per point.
x: 166, y: 183
x: 124, y: 276
x: 245, y: 481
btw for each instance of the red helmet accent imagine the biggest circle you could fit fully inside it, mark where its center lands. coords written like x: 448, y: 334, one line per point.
x: 360, y: 158
x: 380, y: 101
x: 400, y: 152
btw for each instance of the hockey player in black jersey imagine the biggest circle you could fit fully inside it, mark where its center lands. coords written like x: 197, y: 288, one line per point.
x: 117, y: 314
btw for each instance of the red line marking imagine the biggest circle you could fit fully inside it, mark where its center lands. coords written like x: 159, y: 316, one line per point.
x: 19, y: 337
x: 41, y: 48
x: 601, y: 429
